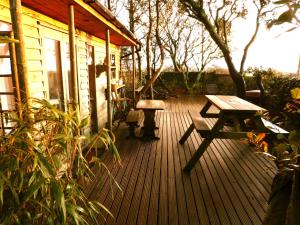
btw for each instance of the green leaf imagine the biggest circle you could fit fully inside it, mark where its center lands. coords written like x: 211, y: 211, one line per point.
x: 286, y: 16
x: 13, y: 191
x: 32, y: 178
x: 32, y: 189
x: 84, y: 122
x: 46, y: 167
x: 280, y: 137
x: 1, y: 189
x: 72, y: 211
x: 59, y: 198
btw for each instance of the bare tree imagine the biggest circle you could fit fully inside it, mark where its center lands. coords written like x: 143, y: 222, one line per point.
x: 188, y: 45
x: 149, y: 28
x: 217, y: 17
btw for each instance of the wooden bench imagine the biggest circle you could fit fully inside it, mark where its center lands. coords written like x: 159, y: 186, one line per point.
x: 139, y: 89
x: 273, y: 128
x: 133, y: 119
x: 199, y: 124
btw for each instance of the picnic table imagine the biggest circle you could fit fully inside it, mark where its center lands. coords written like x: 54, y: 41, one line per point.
x: 149, y: 108
x: 230, y: 108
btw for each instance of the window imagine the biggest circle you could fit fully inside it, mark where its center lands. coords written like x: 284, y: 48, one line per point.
x: 53, y: 68
x: 66, y: 70
x: 7, y: 98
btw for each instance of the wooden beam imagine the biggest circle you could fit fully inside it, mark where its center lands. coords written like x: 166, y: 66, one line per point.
x: 108, y: 75
x: 17, y: 24
x: 15, y: 78
x: 133, y: 74
x: 108, y: 22
x: 73, y: 61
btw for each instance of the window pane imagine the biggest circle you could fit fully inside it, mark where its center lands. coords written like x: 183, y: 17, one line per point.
x: 7, y: 102
x: 66, y: 60
x: 4, y: 49
x: 53, y: 67
x: 6, y: 84
x: 4, y: 63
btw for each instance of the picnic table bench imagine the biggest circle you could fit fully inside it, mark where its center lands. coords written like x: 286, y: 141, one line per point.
x: 230, y: 108
x: 133, y: 120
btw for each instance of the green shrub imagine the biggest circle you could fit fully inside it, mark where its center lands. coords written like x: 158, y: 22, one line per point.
x: 277, y: 87
x: 42, y: 167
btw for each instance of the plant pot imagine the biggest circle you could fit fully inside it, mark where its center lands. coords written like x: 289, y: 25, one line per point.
x: 279, y: 199
x: 293, y: 214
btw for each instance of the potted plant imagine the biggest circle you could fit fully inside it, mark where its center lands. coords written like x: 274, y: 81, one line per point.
x: 42, y: 167
x: 284, y: 200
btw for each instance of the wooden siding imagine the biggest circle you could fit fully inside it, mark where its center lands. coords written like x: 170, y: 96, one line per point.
x: 229, y: 185
x: 38, y: 26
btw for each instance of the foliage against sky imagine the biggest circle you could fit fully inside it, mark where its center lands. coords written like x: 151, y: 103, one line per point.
x: 264, y: 47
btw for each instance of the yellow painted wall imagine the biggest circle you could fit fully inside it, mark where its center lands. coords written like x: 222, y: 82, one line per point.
x: 36, y: 27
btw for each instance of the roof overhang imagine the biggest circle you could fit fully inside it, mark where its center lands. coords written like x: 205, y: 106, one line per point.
x: 90, y: 16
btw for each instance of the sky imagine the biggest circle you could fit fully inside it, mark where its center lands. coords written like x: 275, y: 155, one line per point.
x: 272, y: 48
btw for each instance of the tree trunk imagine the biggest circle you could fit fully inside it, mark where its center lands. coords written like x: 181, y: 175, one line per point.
x: 199, y: 13
x: 235, y: 75
x: 279, y: 199
x: 148, y: 47
x: 139, y: 62
x: 246, y: 49
x: 162, y: 55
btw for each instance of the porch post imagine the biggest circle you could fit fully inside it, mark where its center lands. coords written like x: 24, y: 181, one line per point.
x: 133, y: 74
x: 15, y: 78
x: 108, y: 75
x: 73, y: 62
x: 17, y: 23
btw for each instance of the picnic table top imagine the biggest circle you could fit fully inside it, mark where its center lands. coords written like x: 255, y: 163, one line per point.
x: 233, y: 104
x: 150, y: 104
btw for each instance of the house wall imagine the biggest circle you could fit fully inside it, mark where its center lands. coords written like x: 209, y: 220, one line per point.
x: 37, y: 27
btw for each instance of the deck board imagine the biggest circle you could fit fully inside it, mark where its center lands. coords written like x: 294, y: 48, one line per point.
x: 229, y: 185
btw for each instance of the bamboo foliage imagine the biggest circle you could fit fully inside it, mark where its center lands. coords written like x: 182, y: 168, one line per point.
x: 43, y: 167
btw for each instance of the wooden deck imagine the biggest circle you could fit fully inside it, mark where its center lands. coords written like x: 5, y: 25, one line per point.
x: 229, y: 185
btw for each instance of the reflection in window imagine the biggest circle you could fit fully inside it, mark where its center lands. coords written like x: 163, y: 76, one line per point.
x: 53, y: 67
x: 7, y: 101
x: 66, y: 61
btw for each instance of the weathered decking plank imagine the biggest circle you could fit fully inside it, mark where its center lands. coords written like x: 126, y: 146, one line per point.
x: 181, y: 199
x: 202, y: 206
x: 229, y: 185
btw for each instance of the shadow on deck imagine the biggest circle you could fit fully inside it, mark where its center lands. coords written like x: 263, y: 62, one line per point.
x: 229, y: 185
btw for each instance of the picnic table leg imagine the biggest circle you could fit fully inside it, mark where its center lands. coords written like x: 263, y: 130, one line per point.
x: 191, y: 163
x: 187, y: 134
x: 205, y: 143
x: 149, y: 125
x: 205, y: 108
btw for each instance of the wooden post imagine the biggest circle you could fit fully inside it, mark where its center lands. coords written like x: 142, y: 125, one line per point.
x: 15, y: 78
x: 108, y: 75
x: 73, y: 61
x: 133, y: 74
x: 16, y: 18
